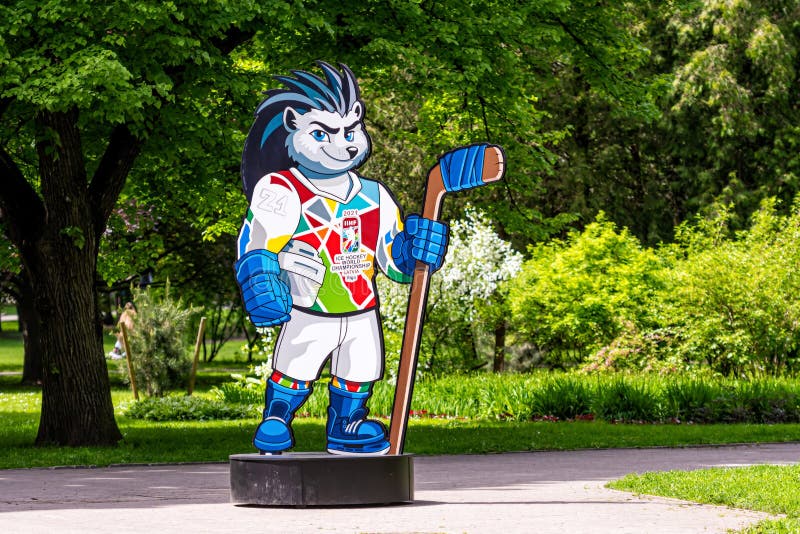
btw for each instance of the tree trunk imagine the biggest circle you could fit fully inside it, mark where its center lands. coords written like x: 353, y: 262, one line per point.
x: 76, y: 395
x: 31, y: 332
x: 499, y: 364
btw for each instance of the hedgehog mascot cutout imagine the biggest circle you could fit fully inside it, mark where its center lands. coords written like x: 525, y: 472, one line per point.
x: 313, y: 235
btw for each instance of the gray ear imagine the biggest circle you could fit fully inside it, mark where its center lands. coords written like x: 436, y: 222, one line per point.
x: 358, y: 109
x: 290, y: 119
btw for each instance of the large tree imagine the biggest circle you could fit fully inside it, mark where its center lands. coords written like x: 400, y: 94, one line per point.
x: 85, y: 88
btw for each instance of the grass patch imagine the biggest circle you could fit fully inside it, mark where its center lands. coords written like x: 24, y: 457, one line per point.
x: 11, y: 351
x: 195, y: 441
x: 766, y: 488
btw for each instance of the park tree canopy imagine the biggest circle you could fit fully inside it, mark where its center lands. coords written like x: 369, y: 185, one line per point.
x: 83, y: 89
x: 94, y: 94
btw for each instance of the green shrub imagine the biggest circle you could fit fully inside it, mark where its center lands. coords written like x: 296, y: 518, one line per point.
x: 625, y: 399
x: 183, y: 408
x: 762, y: 401
x: 459, y: 396
x: 564, y: 397
x: 735, y: 303
x: 235, y: 393
x: 636, y: 351
x: 244, y: 389
x: 697, y: 401
x: 613, y: 397
x: 159, y: 351
x: 732, y: 401
x: 575, y: 296
x: 717, y: 299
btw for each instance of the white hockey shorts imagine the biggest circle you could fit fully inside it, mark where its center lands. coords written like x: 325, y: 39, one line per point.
x: 353, y: 342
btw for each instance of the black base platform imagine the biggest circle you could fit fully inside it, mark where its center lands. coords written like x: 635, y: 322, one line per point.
x: 321, y: 479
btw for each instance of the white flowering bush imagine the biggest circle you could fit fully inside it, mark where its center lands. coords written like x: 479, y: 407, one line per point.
x: 478, y: 262
x: 465, y: 297
x: 262, y: 345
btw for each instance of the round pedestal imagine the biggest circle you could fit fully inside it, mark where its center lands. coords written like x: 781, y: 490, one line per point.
x: 321, y: 479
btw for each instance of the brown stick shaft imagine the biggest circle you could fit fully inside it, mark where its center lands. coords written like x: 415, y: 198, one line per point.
x: 128, y: 358
x: 493, y: 169
x: 434, y: 194
x: 197, y: 346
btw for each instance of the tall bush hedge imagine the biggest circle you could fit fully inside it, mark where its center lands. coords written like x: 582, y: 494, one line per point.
x: 716, y: 299
x: 575, y: 296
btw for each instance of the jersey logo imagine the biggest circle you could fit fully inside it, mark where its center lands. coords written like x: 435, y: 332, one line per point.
x: 351, y: 232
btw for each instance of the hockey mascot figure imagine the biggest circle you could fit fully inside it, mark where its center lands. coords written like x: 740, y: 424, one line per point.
x: 308, y: 250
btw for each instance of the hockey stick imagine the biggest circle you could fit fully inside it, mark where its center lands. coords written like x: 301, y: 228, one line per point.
x: 492, y: 169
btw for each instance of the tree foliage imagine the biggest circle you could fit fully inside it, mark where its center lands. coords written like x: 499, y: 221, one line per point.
x: 734, y: 94
x: 719, y: 120
x: 85, y: 91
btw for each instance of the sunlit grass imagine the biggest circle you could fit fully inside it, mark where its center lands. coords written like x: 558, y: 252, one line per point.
x: 766, y: 488
x: 11, y: 349
x: 149, y: 442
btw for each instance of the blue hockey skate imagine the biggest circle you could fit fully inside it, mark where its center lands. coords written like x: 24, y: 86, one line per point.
x: 274, y: 433
x: 349, y: 431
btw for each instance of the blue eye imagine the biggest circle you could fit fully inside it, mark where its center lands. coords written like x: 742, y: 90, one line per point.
x: 319, y: 135
x: 349, y: 136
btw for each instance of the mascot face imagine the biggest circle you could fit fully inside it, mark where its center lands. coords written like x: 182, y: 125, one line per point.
x: 327, y: 143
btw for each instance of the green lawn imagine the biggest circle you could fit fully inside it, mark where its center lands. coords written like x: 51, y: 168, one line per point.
x: 11, y: 350
x: 149, y: 442
x: 229, y: 360
x: 767, y: 488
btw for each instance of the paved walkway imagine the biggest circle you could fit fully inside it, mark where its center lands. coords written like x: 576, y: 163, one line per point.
x: 542, y: 492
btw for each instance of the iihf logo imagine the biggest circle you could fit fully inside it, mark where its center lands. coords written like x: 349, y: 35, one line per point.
x: 351, y: 232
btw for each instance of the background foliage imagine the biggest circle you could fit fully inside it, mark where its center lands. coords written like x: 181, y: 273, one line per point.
x: 647, y: 221
x: 158, y: 342
x: 715, y: 299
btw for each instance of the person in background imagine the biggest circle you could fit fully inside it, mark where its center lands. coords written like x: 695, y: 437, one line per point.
x: 127, y: 318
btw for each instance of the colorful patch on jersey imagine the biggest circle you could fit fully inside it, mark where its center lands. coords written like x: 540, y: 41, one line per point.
x: 345, y: 234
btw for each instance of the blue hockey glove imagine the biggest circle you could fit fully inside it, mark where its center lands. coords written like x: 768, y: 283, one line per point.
x: 423, y: 240
x: 266, y: 298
